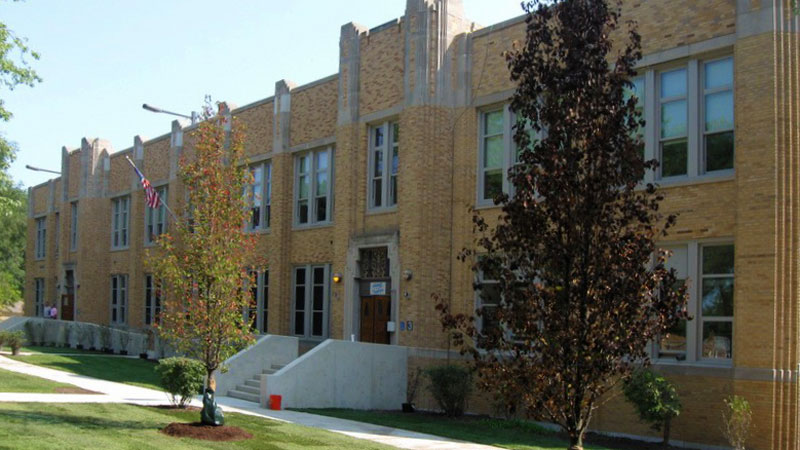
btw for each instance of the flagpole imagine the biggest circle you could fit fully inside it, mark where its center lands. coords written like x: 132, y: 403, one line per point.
x: 159, y: 198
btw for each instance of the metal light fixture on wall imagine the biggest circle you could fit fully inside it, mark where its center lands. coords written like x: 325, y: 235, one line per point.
x: 337, y: 277
x: 407, y: 274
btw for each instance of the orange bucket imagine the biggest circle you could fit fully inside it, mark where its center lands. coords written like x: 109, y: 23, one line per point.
x: 275, y: 402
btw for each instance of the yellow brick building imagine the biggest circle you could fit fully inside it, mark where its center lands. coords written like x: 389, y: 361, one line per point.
x: 367, y: 176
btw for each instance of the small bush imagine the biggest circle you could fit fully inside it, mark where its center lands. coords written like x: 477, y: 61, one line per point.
x: 2, y: 338
x: 737, y: 418
x: 654, y: 398
x: 105, y: 338
x: 182, y: 378
x: 450, y: 387
x: 14, y: 339
x: 35, y: 331
x: 124, y: 340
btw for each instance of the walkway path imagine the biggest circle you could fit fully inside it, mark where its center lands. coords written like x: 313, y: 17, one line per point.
x: 111, y: 392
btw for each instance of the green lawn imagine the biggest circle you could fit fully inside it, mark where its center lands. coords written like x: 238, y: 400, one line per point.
x: 118, y: 426
x: 511, y: 434
x: 17, y: 382
x: 138, y: 372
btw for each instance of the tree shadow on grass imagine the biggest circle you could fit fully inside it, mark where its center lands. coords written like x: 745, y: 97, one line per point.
x: 34, y: 418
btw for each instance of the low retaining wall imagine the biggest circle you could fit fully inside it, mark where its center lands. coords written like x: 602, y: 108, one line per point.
x: 64, y: 333
x: 342, y: 374
x: 269, y: 350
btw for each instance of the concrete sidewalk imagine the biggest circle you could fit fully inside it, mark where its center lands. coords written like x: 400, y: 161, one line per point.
x: 111, y: 392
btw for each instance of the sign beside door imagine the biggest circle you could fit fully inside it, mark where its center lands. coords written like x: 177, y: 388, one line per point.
x: 377, y: 288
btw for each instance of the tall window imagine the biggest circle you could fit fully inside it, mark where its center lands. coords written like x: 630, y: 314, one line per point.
x: 119, y: 221
x: 718, y: 113
x: 674, y: 142
x: 119, y: 299
x: 155, y: 219
x: 57, y: 234
x: 637, y: 90
x: 41, y: 238
x: 493, y: 166
x: 384, y: 148
x: 488, y: 299
x: 310, y: 301
x: 152, y: 300
x: 717, y: 301
x: 313, y: 187
x: 707, y: 271
x: 73, y: 226
x: 38, y: 289
x: 258, y: 196
x: 256, y: 313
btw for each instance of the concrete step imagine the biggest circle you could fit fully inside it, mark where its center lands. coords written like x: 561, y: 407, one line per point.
x: 255, y: 382
x: 277, y: 367
x: 268, y: 371
x: 248, y: 389
x: 244, y: 396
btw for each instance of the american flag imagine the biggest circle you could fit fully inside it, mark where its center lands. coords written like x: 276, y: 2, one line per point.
x: 150, y: 195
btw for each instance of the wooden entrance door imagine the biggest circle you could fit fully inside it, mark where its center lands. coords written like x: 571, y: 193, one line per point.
x: 375, y: 313
x: 67, y: 307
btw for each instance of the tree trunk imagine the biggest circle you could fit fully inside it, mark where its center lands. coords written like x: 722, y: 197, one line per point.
x: 575, y: 440
x: 211, y: 381
x: 666, y: 430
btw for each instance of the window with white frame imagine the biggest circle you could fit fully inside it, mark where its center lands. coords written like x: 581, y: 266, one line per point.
x: 119, y: 299
x: 674, y: 112
x: 313, y: 187
x: 637, y: 90
x: 41, y: 238
x: 693, y: 118
x: 498, y: 152
x: 384, y: 148
x: 488, y: 298
x: 152, y: 300
x: 718, y: 113
x: 57, y: 234
x: 38, y: 289
x: 155, y: 219
x: 258, y: 197
x: 256, y: 312
x: 707, y: 270
x: 120, y: 208
x: 73, y: 226
x: 310, y: 301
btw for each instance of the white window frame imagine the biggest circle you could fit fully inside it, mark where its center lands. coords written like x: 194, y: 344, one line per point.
x: 38, y: 299
x: 40, y: 250
x: 689, y: 128
x: 156, y: 218
x: 120, y: 220
x: 508, y: 151
x: 694, y: 286
x: 57, y: 234
x: 702, y: 113
x: 265, y: 191
x: 118, y: 304
x: 312, y: 173
x: 695, y: 98
x: 479, y: 301
x: 308, y: 302
x: 153, y: 300
x: 388, y: 178
x: 73, y: 231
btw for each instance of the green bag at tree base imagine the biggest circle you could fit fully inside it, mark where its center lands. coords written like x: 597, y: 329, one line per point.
x: 212, y: 414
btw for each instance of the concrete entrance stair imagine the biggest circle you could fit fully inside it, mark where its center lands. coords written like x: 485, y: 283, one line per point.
x: 251, y: 389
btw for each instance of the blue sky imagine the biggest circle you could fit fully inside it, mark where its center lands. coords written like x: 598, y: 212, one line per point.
x: 102, y: 59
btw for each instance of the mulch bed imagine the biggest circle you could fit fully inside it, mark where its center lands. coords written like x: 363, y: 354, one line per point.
x: 622, y: 443
x: 197, y: 430
x: 177, y: 408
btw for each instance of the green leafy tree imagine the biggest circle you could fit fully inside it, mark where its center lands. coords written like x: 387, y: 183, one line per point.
x: 583, y: 286
x: 654, y: 398
x: 203, y: 264
x: 14, y: 71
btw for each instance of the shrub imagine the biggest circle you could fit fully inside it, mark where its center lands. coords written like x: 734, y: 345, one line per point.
x: 414, y: 379
x: 35, y: 330
x: 182, y: 378
x: 105, y: 338
x: 737, y: 417
x: 15, y: 339
x: 124, y: 340
x: 654, y: 398
x: 2, y: 338
x: 450, y: 387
